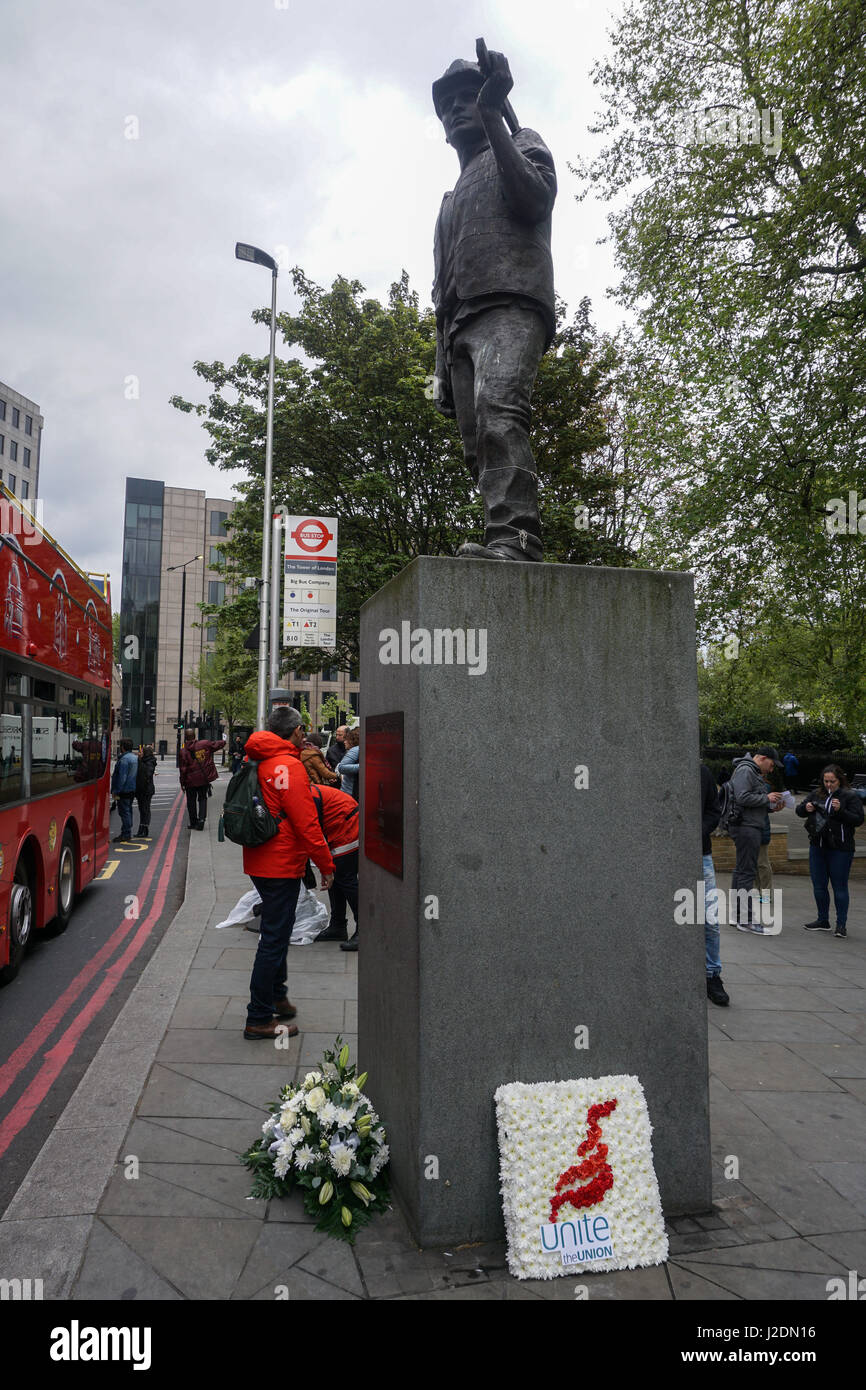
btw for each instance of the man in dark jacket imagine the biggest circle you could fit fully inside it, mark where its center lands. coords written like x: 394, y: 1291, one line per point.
x: 336, y: 748
x: 494, y: 300
x: 710, y: 813
x: 144, y: 790
x: 197, y: 771
x: 753, y: 801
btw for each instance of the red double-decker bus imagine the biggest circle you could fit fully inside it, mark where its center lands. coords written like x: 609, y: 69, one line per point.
x: 55, y: 727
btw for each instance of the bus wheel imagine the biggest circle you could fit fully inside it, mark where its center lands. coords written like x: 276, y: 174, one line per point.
x: 20, y: 922
x: 65, y: 890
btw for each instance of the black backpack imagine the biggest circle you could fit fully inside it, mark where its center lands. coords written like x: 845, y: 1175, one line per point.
x: 246, y: 818
x: 732, y: 811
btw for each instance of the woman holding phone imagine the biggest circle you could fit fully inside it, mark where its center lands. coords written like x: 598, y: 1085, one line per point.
x: 831, y: 817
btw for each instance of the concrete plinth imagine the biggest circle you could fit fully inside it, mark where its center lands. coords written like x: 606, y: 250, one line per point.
x: 529, y: 908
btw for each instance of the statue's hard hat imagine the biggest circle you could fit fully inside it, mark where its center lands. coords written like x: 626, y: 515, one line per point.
x: 460, y: 71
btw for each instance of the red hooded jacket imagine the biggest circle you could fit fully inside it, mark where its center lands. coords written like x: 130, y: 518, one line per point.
x: 285, y: 791
x: 340, y: 814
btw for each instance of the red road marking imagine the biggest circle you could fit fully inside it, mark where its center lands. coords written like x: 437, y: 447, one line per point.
x: 57, y: 1057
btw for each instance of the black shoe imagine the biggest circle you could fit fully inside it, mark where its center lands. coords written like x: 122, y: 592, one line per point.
x: 351, y: 945
x: 333, y: 934
x: 121, y: 839
x: 716, y: 990
x: 199, y: 825
x: 841, y: 932
x: 817, y: 926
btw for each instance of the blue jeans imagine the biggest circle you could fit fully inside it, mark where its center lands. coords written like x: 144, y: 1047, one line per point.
x: 124, y: 806
x: 268, y: 981
x: 711, y: 923
x: 835, y: 865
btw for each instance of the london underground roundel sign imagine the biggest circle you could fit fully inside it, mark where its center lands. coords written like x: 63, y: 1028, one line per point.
x: 311, y: 536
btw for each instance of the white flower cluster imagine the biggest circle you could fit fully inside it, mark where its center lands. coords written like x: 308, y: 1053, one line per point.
x: 336, y: 1141
x: 540, y: 1129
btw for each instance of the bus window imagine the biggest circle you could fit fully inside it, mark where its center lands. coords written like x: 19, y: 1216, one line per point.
x: 100, y: 715
x: 10, y: 753
x: 50, y: 750
x: 84, y: 746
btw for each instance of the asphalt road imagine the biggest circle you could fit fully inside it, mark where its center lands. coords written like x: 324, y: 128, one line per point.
x: 70, y: 989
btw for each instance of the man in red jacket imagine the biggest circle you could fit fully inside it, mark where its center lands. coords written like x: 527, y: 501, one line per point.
x: 340, y: 823
x: 277, y: 867
x: 197, y: 771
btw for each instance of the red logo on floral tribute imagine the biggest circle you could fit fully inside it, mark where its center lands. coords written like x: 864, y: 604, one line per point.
x: 596, y: 1168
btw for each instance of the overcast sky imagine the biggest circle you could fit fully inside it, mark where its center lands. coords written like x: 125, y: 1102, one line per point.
x: 306, y: 129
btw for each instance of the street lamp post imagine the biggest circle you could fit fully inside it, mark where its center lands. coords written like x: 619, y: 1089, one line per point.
x: 244, y: 252
x: 169, y: 568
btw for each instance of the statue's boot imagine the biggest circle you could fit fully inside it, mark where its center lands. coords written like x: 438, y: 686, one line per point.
x: 471, y: 551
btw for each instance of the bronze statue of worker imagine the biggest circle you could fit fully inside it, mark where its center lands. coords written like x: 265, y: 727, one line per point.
x: 493, y: 296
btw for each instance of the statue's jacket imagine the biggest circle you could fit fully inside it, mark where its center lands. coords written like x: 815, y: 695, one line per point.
x: 483, y: 249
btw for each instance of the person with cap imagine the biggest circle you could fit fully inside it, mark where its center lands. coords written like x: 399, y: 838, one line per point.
x: 493, y: 296
x: 277, y: 866
x: 753, y: 801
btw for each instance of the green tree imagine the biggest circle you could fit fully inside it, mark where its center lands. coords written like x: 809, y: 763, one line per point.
x: 740, y: 241
x: 356, y: 435
x: 226, y: 678
x: 333, y: 707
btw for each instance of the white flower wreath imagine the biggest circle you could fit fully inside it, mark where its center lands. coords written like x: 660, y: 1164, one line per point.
x: 568, y: 1154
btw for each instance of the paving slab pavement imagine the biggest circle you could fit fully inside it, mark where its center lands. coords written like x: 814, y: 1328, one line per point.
x: 176, y: 1093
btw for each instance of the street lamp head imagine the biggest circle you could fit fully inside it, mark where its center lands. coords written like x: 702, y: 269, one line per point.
x: 184, y: 564
x: 244, y: 252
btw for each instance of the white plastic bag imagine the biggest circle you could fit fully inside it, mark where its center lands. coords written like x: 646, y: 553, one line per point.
x: 311, y: 918
x: 311, y: 915
x: 242, y: 910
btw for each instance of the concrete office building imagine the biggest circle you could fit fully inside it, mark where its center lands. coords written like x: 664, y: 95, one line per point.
x: 20, y: 443
x: 165, y: 526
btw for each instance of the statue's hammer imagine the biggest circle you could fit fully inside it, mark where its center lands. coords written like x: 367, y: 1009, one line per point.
x: 484, y: 64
